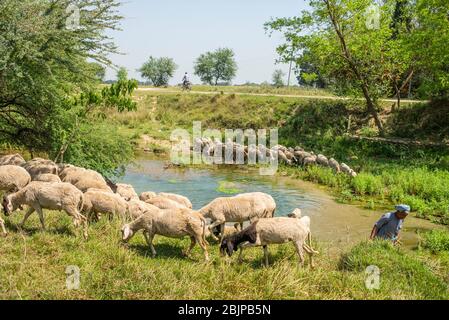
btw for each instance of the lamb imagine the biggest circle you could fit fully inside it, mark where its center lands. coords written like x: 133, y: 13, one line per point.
x: 13, y: 178
x: 334, y: 165
x: 47, y: 177
x: 178, y: 198
x: 322, y: 160
x: 53, y: 196
x: 97, y: 202
x: 173, y: 223
x: 272, y: 231
x: 164, y: 203
x: 240, y: 208
x: 12, y: 159
x: 126, y: 191
x: 147, y: 195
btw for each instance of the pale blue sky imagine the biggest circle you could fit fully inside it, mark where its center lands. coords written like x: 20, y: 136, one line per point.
x: 183, y: 29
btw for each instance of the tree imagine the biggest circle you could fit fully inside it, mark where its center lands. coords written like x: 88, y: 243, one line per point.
x: 278, y: 76
x: 45, y: 63
x: 213, y: 67
x: 158, y: 71
x: 98, y: 70
x: 122, y: 74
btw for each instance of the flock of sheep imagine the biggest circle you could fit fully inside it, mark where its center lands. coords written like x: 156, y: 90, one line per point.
x: 288, y: 156
x: 85, y: 196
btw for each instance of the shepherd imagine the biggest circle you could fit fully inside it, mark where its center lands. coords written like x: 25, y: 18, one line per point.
x: 389, y: 226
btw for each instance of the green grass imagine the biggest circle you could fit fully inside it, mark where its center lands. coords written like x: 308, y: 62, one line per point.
x: 32, y: 266
x: 436, y: 241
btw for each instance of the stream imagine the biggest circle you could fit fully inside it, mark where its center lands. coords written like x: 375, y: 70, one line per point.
x: 336, y: 224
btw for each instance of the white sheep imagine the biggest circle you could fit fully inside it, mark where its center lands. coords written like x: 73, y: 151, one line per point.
x: 12, y: 159
x: 347, y: 170
x: 240, y: 208
x: 13, y: 178
x: 178, y: 198
x: 173, y: 223
x: 147, y: 195
x: 137, y: 207
x: 47, y: 177
x: 164, y: 203
x: 87, y: 183
x: 39, y: 166
x: 126, y: 191
x: 334, y: 165
x: 309, y: 161
x: 97, y: 202
x: 265, y: 232
x: 43, y: 195
x: 322, y: 160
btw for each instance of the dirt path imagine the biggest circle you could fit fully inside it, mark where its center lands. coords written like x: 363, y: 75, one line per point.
x: 319, y: 97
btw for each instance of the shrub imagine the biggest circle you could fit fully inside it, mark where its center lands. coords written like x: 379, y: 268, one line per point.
x: 436, y: 240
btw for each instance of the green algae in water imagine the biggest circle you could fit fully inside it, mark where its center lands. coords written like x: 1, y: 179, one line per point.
x: 228, y: 187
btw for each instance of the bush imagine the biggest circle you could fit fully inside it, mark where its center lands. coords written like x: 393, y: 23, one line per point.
x: 436, y: 240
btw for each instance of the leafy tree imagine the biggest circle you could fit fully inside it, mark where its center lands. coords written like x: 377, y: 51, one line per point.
x: 213, y: 67
x: 122, y: 74
x: 158, y: 71
x: 278, y: 78
x: 99, y: 71
x: 45, y: 64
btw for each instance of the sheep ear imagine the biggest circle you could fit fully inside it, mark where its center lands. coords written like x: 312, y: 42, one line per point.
x: 126, y: 232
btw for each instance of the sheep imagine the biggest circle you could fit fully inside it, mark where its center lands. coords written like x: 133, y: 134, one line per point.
x: 43, y: 195
x: 147, y: 195
x: 322, y: 160
x: 334, y: 165
x: 97, y: 202
x: 229, y: 230
x: 137, y: 207
x: 126, y: 191
x: 87, y: 183
x: 164, y: 203
x: 39, y: 166
x: 47, y: 177
x: 309, y: 161
x: 178, y: 198
x: 272, y: 231
x: 240, y: 208
x: 173, y: 223
x: 12, y: 159
x: 13, y: 178
x: 347, y: 170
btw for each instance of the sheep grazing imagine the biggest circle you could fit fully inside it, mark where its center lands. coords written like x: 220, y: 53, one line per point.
x: 322, y: 160
x: 13, y: 178
x: 164, y: 203
x: 240, y: 208
x: 265, y: 232
x: 136, y: 208
x: 12, y: 159
x: 347, y: 170
x: 309, y: 161
x: 178, y: 198
x: 334, y: 165
x: 173, y: 223
x: 52, y: 196
x: 85, y: 184
x: 47, y: 177
x: 38, y: 166
x: 147, y: 195
x: 97, y: 202
x: 126, y: 191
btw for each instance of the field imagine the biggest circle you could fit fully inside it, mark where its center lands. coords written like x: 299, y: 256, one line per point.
x: 33, y: 266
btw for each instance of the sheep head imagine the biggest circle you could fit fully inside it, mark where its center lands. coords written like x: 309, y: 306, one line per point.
x: 295, y: 214
x: 127, y: 233
x: 8, y: 207
x: 227, y: 246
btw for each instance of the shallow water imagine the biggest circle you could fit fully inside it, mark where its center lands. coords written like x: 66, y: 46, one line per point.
x: 332, y: 222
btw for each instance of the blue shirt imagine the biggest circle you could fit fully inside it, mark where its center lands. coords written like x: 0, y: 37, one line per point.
x: 388, y: 226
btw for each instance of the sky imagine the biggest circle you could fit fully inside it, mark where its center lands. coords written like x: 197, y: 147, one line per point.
x: 183, y: 29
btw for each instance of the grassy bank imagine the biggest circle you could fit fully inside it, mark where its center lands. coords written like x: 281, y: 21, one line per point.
x: 33, y: 265
x: 389, y: 173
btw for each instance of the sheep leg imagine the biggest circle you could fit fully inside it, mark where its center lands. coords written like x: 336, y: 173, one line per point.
x: 192, y: 245
x: 149, y: 238
x: 300, y: 251
x: 212, y: 226
x: 78, y: 220
x: 265, y: 254
x: 2, y: 226
x: 41, y: 217
x: 25, y: 218
x: 203, y: 246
